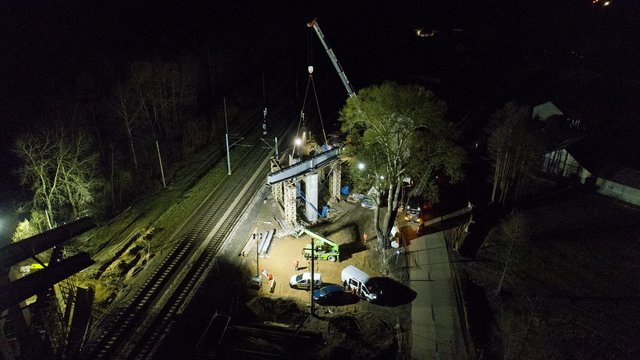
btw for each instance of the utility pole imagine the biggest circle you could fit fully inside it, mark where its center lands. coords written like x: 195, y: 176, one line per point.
x: 312, y: 271
x: 264, y: 112
x: 257, y: 255
x: 264, y: 121
x: 164, y: 184
x: 276, y: 146
x: 264, y: 94
x: 226, y: 135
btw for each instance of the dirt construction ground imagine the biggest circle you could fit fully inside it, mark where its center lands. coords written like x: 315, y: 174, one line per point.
x: 285, y: 251
x: 348, y: 225
x: 353, y: 330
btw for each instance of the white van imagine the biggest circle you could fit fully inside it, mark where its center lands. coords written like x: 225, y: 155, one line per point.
x: 302, y: 281
x: 358, y: 282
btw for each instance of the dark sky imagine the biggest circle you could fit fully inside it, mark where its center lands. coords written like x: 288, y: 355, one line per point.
x: 44, y: 45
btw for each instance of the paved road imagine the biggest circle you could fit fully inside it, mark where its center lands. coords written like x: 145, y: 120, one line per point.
x: 436, y: 332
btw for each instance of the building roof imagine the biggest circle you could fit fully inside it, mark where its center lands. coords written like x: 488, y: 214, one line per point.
x: 545, y: 110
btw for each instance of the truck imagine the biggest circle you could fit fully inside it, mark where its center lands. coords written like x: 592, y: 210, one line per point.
x: 323, y: 248
x: 415, y: 210
x: 359, y: 283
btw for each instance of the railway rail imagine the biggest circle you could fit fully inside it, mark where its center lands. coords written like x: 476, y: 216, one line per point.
x: 135, y: 330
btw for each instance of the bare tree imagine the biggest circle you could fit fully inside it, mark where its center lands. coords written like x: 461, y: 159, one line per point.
x: 61, y: 169
x: 78, y: 170
x: 153, y: 85
x: 127, y: 108
x: 40, y: 169
x: 516, y: 148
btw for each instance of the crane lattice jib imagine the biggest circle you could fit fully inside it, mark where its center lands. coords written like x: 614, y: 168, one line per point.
x: 314, y: 24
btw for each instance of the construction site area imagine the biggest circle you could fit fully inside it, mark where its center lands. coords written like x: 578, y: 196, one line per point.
x: 275, y: 319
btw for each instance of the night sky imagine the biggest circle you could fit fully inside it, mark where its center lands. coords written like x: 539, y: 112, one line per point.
x: 478, y: 47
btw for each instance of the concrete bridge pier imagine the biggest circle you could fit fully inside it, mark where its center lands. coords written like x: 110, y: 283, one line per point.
x: 311, y: 195
x: 290, y: 203
x: 335, y: 182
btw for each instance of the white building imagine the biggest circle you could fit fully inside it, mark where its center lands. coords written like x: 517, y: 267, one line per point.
x: 614, y: 181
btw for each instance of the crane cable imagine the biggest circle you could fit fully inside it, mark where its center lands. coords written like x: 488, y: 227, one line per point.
x: 315, y: 93
x: 304, y: 102
x: 324, y: 134
x: 306, y: 92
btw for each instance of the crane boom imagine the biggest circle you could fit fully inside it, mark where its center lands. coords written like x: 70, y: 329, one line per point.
x: 314, y: 24
x: 325, y: 249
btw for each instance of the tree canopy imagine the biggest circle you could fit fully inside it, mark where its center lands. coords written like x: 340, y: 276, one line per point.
x: 399, y: 131
x: 60, y: 167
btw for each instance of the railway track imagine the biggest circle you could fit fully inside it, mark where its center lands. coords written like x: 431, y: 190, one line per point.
x: 135, y: 330
x: 162, y: 322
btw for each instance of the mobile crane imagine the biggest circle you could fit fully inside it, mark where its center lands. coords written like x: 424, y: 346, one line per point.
x: 324, y: 249
x: 314, y: 24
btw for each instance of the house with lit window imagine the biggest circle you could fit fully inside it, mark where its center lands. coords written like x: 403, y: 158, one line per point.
x: 619, y: 182
x: 570, y: 155
x: 560, y: 133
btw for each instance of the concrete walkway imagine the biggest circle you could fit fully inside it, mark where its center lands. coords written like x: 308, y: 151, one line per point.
x: 435, y: 331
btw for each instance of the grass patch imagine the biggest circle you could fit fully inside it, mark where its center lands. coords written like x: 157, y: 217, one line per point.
x: 570, y: 291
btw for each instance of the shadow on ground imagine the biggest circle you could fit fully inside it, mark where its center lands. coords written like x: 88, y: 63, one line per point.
x: 347, y: 250
x: 350, y: 231
x: 340, y: 299
x: 393, y: 292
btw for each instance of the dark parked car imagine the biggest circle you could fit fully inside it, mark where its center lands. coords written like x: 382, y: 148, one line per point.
x: 333, y: 295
